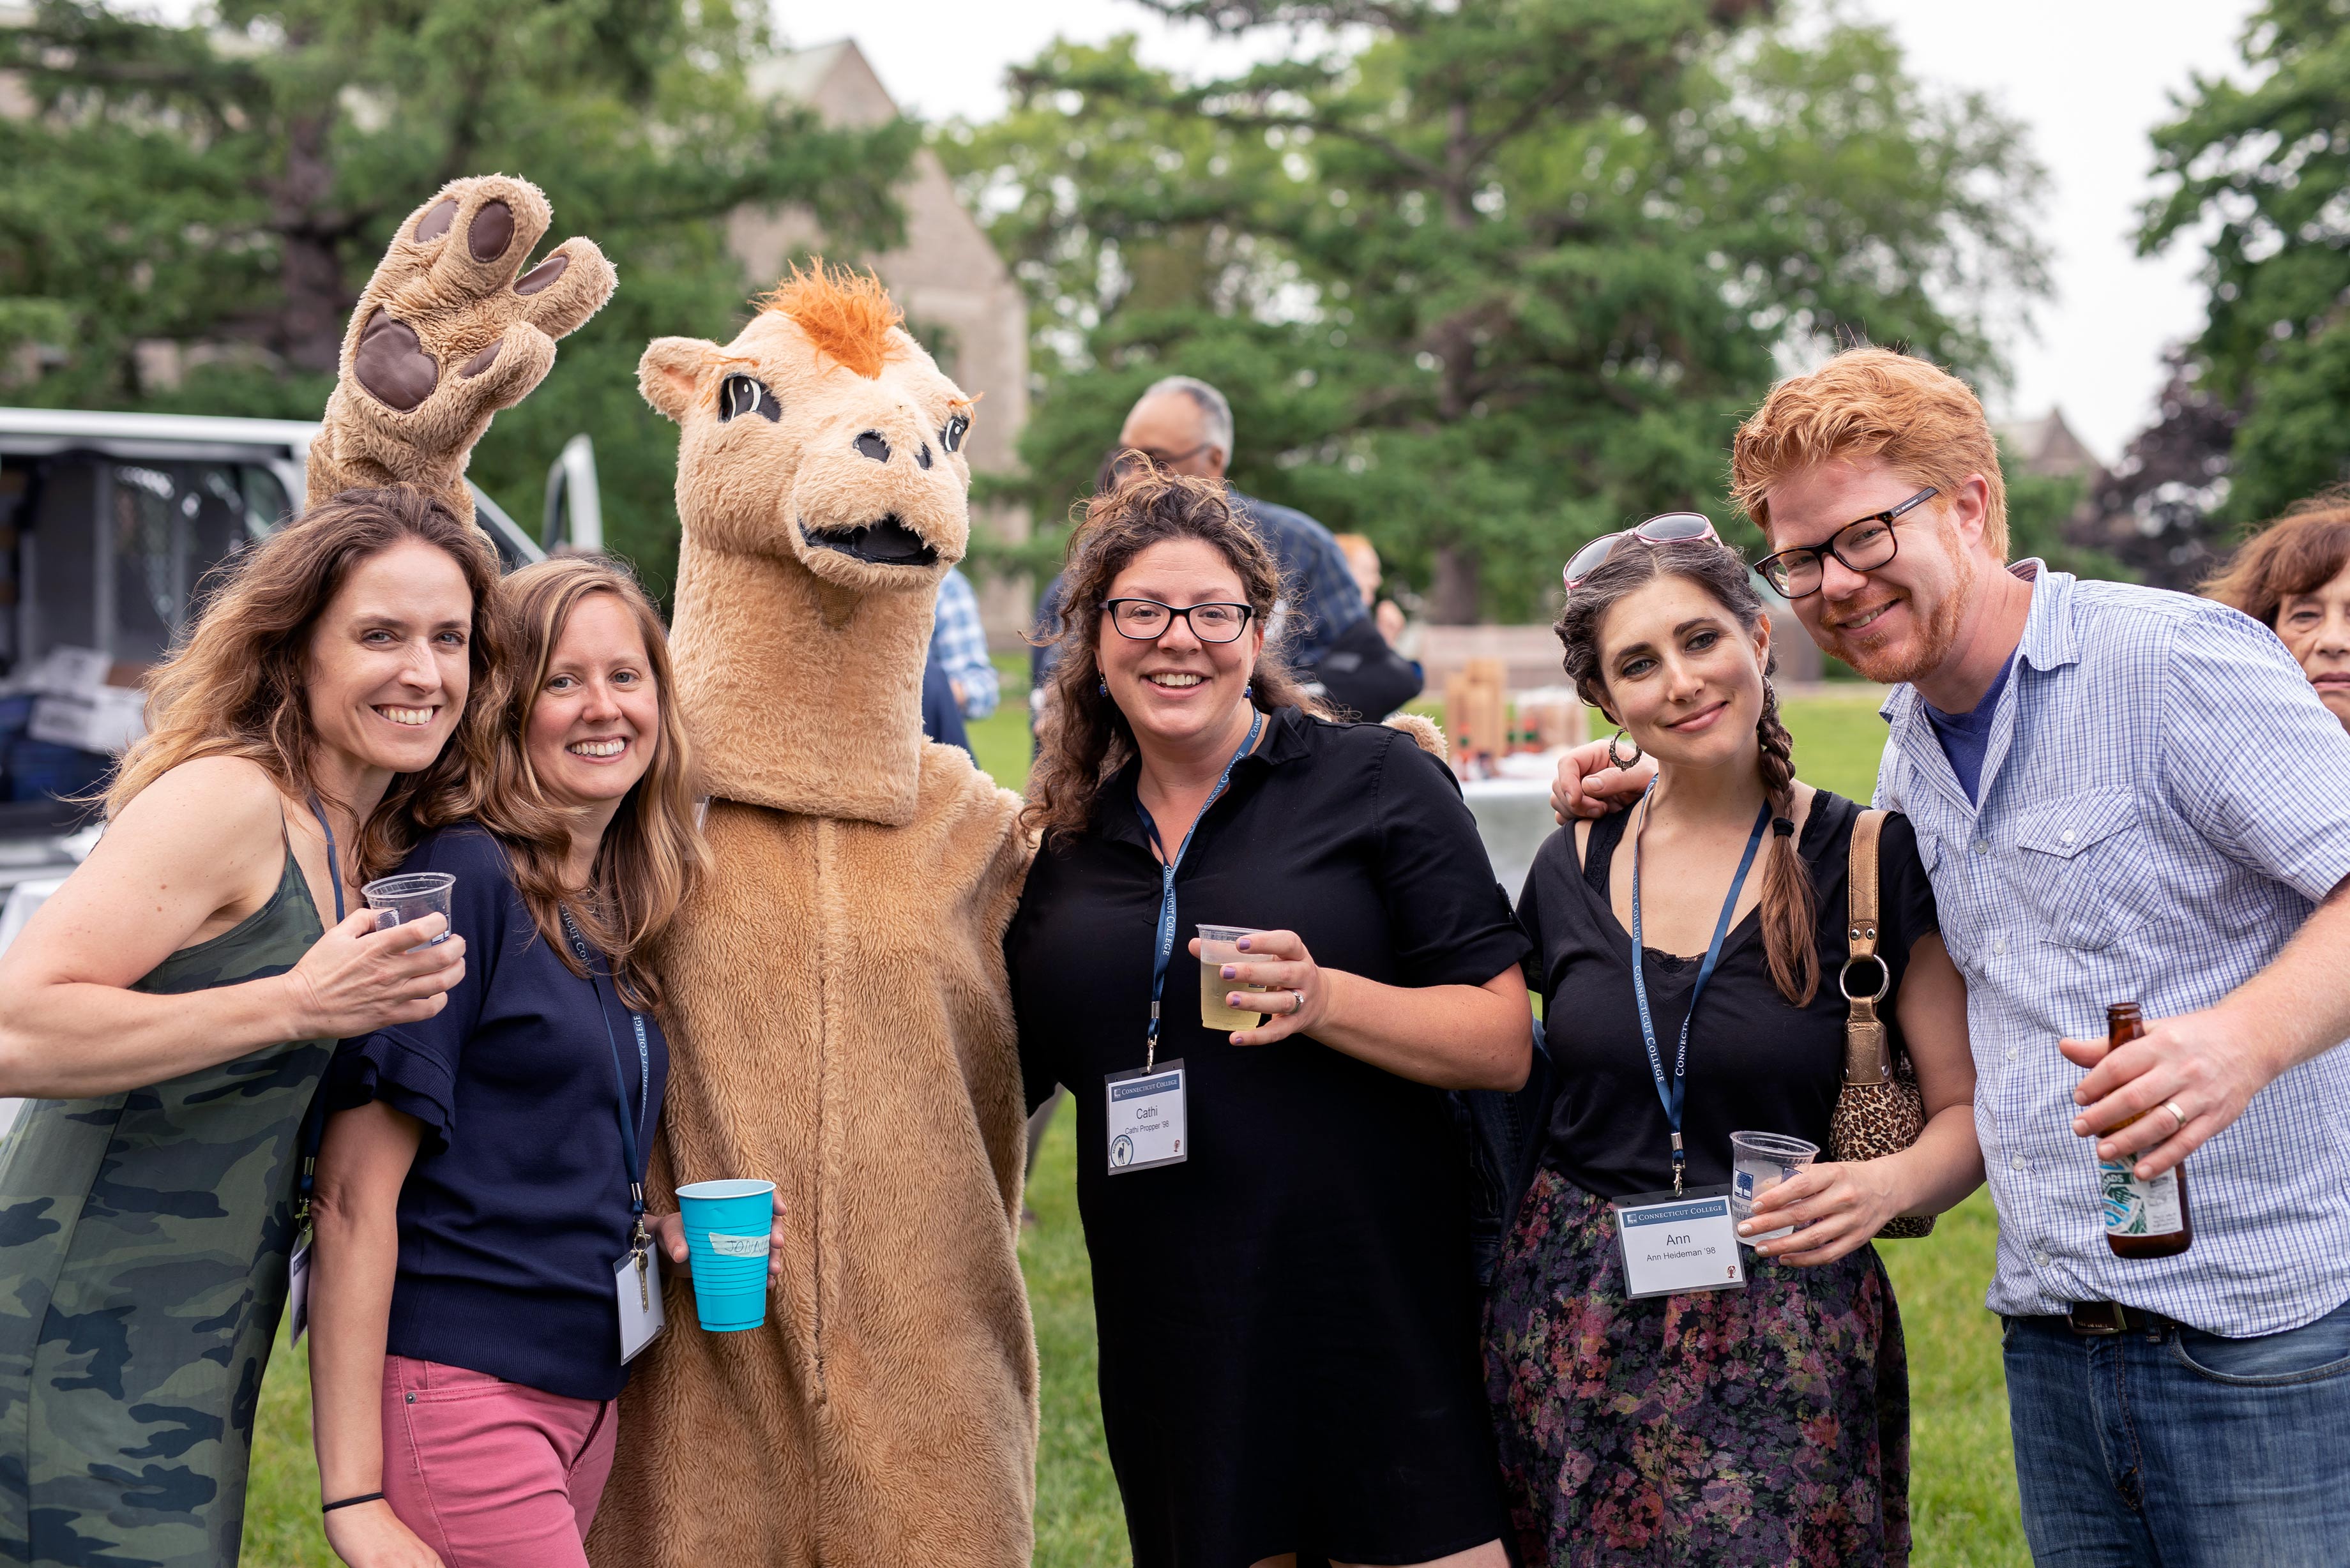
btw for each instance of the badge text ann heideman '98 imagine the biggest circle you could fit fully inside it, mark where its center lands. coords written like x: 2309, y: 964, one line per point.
x: 1146, y: 1117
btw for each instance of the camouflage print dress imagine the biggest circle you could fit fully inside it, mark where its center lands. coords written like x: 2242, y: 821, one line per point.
x: 143, y: 1245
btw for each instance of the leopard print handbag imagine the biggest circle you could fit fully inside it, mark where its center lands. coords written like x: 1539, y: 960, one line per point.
x: 1879, y: 1110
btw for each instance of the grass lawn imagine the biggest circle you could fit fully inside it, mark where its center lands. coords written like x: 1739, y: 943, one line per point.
x: 1962, y: 1480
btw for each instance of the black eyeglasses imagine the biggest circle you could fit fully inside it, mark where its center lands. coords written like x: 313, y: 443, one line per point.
x: 1859, y: 546
x: 1147, y: 620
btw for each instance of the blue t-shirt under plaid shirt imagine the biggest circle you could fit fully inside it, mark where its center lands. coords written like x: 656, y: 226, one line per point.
x: 2163, y: 802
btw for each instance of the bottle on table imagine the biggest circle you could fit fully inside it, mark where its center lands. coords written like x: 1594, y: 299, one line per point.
x: 2143, y: 1219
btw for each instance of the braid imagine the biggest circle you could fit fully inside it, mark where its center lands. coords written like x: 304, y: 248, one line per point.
x: 1790, y: 907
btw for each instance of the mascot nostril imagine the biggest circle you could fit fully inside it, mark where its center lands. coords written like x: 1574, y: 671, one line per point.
x: 923, y: 458
x: 889, y: 543
x: 870, y: 444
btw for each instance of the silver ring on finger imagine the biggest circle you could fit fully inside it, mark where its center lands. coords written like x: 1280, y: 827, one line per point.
x: 1297, y: 1001
x: 2172, y: 1106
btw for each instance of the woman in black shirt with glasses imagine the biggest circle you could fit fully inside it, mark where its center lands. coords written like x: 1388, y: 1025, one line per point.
x: 1280, y: 1246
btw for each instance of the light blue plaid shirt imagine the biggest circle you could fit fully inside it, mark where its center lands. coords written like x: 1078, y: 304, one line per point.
x: 2163, y: 801
x: 961, y: 642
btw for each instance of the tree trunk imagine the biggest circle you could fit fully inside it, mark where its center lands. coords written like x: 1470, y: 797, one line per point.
x: 310, y: 324
x: 1453, y: 597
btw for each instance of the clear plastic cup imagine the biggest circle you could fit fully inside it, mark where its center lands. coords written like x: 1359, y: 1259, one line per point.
x: 1760, y: 1161
x: 1219, y: 945
x: 397, y: 901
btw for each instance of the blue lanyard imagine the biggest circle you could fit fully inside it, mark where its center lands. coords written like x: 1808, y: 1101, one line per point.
x: 314, y: 1120
x: 1673, y: 1092
x: 1166, y: 947
x: 628, y: 1126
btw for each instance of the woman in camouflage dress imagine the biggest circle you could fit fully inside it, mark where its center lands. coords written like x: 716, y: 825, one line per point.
x: 172, y: 1007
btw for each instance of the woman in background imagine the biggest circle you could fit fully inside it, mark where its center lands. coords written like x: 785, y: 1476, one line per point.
x: 2294, y: 578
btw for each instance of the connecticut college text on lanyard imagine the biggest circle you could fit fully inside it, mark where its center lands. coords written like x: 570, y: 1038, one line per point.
x: 1146, y: 1125
x: 635, y: 1277
x: 1679, y: 1242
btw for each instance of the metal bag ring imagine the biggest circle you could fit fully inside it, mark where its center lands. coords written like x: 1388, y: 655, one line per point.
x: 1884, y: 978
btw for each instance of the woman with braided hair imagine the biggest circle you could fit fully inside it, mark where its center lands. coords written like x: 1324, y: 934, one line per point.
x: 1766, y: 1422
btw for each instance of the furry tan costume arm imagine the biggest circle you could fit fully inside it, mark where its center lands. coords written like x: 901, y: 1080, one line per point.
x: 448, y: 331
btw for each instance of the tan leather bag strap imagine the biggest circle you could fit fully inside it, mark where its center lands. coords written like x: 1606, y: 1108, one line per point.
x: 1867, y: 1058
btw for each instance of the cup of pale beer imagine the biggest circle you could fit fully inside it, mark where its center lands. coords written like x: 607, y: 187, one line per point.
x: 1220, y: 945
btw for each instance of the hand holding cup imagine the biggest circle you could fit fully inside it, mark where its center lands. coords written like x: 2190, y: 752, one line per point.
x: 356, y: 979
x: 669, y: 1235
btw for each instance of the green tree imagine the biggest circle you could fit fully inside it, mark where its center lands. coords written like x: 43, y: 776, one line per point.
x: 1501, y: 277
x: 228, y: 185
x: 2263, y: 168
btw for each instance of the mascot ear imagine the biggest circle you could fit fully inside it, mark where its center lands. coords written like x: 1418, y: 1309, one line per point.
x: 669, y: 374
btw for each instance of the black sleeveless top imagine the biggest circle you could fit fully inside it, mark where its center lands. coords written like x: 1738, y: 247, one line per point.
x: 1756, y: 1063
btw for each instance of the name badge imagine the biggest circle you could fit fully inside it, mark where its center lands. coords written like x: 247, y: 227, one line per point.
x: 637, y: 1285
x: 1677, y: 1244
x: 1146, y: 1117
x: 297, y: 1288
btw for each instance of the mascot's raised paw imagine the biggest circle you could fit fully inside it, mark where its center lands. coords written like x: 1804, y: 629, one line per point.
x: 452, y: 329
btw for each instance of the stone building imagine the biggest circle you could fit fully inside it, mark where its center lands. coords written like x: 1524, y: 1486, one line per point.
x: 960, y: 299
x: 2048, y: 447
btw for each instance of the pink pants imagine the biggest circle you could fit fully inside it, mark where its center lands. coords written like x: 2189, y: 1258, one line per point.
x: 491, y: 1474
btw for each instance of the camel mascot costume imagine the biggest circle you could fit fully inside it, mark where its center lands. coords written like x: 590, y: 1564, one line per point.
x: 839, y: 1014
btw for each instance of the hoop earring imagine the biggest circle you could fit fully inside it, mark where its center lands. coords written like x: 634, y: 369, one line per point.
x: 1622, y: 762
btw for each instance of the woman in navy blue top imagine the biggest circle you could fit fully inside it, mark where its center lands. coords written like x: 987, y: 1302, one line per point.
x: 479, y: 1201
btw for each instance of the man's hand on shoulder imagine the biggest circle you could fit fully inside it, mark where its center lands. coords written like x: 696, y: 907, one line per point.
x: 1590, y: 784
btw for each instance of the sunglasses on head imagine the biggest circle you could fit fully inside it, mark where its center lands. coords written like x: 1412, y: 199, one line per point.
x: 1670, y: 529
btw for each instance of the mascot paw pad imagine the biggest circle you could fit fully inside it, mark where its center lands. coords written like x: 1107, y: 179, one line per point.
x: 447, y: 293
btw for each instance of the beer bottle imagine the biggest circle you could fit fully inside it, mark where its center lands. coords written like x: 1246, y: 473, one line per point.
x: 2143, y: 1219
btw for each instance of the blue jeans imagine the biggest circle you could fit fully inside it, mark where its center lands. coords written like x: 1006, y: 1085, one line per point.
x: 2177, y: 1448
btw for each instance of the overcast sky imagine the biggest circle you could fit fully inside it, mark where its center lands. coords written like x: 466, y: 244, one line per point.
x: 2089, y: 76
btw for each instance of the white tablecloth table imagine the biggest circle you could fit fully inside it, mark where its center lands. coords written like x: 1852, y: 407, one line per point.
x: 1513, y: 817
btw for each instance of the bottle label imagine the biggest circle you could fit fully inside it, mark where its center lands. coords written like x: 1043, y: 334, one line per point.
x: 2135, y: 1208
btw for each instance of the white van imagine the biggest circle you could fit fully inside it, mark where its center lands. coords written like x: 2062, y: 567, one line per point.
x: 107, y: 522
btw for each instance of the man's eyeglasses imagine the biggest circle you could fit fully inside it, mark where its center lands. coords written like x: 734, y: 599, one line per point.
x: 1671, y: 528
x: 1861, y: 546
x: 1127, y: 459
x: 1147, y: 620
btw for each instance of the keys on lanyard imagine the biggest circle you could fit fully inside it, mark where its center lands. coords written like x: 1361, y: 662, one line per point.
x: 1146, y: 1107
x: 1671, y: 1092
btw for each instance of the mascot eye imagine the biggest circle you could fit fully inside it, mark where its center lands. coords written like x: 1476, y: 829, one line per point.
x: 951, y: 437
x: 740, y: 395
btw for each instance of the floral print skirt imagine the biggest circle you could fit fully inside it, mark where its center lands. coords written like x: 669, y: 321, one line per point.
x: 1767, y: 1425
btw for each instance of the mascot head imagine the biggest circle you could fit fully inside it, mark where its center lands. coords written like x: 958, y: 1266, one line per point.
x: 822, y: 488
x: 823, y: 435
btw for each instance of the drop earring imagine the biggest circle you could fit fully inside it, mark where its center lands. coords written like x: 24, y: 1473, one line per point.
x: 1102, y: 685
x: 1248, y: 693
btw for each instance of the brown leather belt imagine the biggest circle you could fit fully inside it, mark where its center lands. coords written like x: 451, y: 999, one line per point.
x: 2097, y: 1318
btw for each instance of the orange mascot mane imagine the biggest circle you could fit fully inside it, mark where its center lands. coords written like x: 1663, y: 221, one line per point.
x: 846, y: 315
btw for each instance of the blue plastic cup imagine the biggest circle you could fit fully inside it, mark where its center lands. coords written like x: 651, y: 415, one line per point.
x: 728, y: 1227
